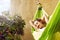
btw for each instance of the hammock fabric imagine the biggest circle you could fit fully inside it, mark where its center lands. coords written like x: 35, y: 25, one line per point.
x: 38, y: 14
x: 52, y: 30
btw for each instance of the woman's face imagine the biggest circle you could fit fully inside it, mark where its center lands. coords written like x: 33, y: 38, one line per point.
x: 38, y: 24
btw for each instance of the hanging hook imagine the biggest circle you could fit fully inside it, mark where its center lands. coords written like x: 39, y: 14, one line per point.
x: 37, y: 2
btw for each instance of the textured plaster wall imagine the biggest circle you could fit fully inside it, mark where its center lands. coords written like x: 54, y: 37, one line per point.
x: 27, y: 8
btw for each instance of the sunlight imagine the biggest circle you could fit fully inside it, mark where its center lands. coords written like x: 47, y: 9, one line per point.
x: 4, y: 5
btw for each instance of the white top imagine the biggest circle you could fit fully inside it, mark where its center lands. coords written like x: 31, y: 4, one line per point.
x: 37, y: 34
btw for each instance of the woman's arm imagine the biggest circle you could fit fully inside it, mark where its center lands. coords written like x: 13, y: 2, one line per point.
x: 32, y: 24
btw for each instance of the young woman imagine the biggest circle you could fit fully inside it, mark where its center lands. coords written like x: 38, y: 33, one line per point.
x: 40, y: 22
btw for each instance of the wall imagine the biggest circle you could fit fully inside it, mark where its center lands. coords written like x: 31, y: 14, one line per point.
x: 27, y: 8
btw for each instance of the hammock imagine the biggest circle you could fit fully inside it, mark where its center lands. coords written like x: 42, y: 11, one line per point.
x: 52, y: 30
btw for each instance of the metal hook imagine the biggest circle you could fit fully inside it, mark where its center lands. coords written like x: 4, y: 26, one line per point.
x: 37, y: 2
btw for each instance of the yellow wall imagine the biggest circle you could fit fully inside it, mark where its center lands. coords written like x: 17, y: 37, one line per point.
x: 27, y: 8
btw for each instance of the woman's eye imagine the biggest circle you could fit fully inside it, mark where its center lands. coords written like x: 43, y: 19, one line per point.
x: 36, y: 22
